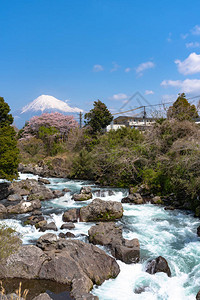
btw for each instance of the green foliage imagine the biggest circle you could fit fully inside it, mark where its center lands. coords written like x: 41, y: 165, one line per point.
x: 6, y: 119
x: 8, y: 144
x: 49, y: 135
x: 98, y: 117
x: 82, y: 166
x: 113, y: 160
x: 9, y: 241
x: 165, y: 159
x: 182, y: 109
x: 8, y: 153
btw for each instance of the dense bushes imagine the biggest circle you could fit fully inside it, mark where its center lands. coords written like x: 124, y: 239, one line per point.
x: 166, y: 158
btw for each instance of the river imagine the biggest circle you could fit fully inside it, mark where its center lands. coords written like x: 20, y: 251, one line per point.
x: 171, y: 234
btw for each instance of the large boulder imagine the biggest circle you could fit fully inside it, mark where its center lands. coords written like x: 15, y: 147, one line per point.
x: 14, y: 197
x: 24, y: 207
x: 70, y: 215
x: 49, y: 226
x: 158, y: 264
x: 31, y: 188
x: 58, y: 193
x: 85, y: 194
x: 99, y: 210
x: 68, y: 225
x: 24, y: 263
x: 47, y: 241
x: 71, y: 262
x: 105, y: 234
x: 33, y: 220
x: 198, y: 231
x: 43, y: 180
x: 109, y: 234
x: 79, y: 264
x: 134, y: 198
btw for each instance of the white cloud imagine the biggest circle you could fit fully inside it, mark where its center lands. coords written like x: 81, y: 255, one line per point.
x: 169, y: 39
x: 115, y: 67
x: 184, y: 36
x: 192, y: 45
x: 196, y: 30
x: 144, y: 66
x: 119, y: 96
x: 149, y: 92
x: 190, y: 86
x: 97, y: 68
x: 127, y: 70
x: 190, y: 65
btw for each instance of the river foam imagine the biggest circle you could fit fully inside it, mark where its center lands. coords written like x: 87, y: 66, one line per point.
x: 171, y: 234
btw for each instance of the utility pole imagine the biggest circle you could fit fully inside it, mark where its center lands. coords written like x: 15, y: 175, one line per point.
x: 80, y: 118
x: 144, y: 116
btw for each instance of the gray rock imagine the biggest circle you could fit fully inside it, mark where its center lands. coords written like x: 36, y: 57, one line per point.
x: 43, y: 180
x: 109, y: 234
x: 198, y: 231
x: 86, y: 190
x: 127, y: 254
x: 82, y: 197
x: 66, y: 190
x: 156, y: 200
x: 68, y: 225
x: 3, y: 209
x: 70, y: 215
x: 58, y: 193
x: 43, y: 296
x: 14, y: 197
x: 36, y: 213
x: 105, y: 234
x: 85, y: 194
x: 24, y: 207
x: 158, y: 265
x: 99, y: 210
x: 47, y: 241
x: 50, y: 226
x: 134, y: 198
x: 33, y: 220
x: 32, y: 188
x: 71, y: 262
x: 25, y: 263
x: 103, y: 193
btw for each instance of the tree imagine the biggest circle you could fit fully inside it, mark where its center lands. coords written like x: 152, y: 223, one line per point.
x: 98, y: 117
x: 5, y: 118
x: 63, y: 124
x: 8, y: 144
x: 182, y: 109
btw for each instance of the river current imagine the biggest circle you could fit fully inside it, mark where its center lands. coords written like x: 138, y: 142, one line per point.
x: 171, y: 234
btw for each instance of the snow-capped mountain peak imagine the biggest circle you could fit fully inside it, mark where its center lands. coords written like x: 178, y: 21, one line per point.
x: 46, y: 102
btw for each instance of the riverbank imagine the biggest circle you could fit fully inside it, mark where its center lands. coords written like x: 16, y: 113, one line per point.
x: 171, y: 234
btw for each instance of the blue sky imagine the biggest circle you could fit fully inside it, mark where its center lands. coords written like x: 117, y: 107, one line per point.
x: 84, y: 50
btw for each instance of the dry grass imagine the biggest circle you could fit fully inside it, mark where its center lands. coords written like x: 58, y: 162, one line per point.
x: 18, y: 292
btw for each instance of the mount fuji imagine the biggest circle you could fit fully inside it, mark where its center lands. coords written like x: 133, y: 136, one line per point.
x: 44, y: 103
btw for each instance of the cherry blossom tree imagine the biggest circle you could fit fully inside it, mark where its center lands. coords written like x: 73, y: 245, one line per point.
x: 62, y: 123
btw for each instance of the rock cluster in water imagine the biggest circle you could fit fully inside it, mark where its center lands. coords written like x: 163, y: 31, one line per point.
x: 70, y: 262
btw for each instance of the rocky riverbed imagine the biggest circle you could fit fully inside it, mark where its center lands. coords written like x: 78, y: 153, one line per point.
x: 87, y: 237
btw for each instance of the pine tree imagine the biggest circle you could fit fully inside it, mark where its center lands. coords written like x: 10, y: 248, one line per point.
x: 8, y: 144
x: 98, y: 117
x: 182, y: 109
